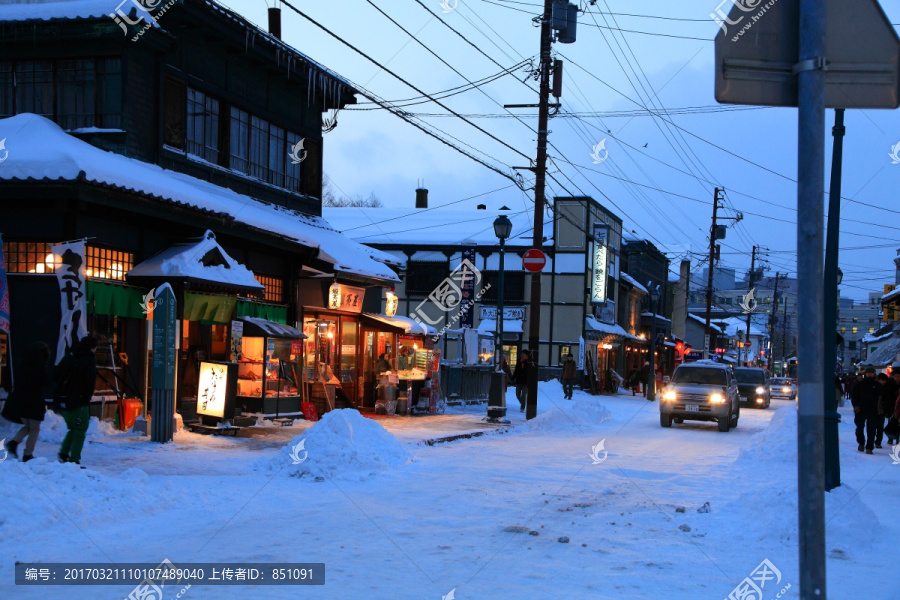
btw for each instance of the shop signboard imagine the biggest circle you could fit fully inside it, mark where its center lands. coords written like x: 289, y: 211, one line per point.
x: 468, y: 289
x: 510, y: 313
x: 68, y: 260
x: 164, y: 339
x: 237, y: 340
x: 599, y: 273
x: 296, y: 347
x: 351, y: 298
x: 216, y: 389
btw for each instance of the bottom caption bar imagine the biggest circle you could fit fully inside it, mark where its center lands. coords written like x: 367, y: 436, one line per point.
x: 167, y: 574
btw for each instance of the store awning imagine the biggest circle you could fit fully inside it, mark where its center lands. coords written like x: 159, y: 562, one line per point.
x: 263, y: 310
x: 209, y: 309
x: 115, y: 299
x: 592, y: 324
x: 202, y: 261
x: 257, y: 327
x: 509, y: 326
x: 401, y: 324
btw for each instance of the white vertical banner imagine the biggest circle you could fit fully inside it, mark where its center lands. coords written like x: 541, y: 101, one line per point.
x: 68, y: 260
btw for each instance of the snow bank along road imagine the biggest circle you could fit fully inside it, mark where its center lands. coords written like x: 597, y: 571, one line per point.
x: 543, y: 511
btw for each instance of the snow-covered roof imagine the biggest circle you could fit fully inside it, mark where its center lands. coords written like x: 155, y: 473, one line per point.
x: 509, y: 326
x: 432, y: 226
x: 702, y: 321
x: 592, y: 324
x: 48, y: 10
x: 885, y: 355
x: 891, y: 295
x: 871, y: 338
x: 735, y: 326
x: 650, y: 315
x: 629, y: 279
x: 40, y: 150
x: 271, y: 328
x: 202, y: 260
x: 410, y: 326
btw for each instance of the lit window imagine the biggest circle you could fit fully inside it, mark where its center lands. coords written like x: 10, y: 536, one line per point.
x: 103, y: 263
x: 855, y: 330
x: 274, y: 288
x: 871, y: 330
x: 28, y: 257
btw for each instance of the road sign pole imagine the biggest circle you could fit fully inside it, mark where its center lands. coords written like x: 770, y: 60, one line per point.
x: 810, y: 223
x: 832, y: 416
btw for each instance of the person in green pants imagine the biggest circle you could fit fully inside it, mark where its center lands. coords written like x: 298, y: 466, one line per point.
x: 75, y: 377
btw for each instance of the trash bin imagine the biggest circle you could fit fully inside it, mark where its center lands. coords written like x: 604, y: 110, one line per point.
x: 496, y: 396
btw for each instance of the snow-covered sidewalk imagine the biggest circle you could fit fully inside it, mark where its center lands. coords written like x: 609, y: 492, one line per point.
x: 541, y: 511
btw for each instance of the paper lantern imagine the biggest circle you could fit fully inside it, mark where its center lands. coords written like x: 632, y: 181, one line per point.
x: 334, y: 296
x: 391, y: 304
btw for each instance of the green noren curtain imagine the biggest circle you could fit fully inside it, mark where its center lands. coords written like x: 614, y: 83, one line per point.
x: 115, y: 299
x: 269, y: 312
x: 208, y: 309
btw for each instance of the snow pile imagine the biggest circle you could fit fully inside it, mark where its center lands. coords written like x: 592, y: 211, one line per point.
x: 778, y: 441
x: 343, y: 444
x: 586, y: 411
x: 42, y: 494
x: 772, y: 505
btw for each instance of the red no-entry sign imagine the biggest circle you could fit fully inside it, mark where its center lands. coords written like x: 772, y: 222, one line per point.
x: 534, y: 260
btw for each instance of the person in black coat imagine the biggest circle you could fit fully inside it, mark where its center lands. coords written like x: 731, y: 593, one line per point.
x: 865, y: 398
x: 522, y: 369
x: 28, y: 396
x: 75, y: 377
x: 886, y: 402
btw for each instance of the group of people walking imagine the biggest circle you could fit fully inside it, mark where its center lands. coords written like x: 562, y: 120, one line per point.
x: 73, y: 381
x: 876, y: 408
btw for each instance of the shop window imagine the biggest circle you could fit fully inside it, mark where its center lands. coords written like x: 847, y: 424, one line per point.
x: 259, y: 148
x: 28, y: 257
x: 103, y: 263
x: 277, y: 156
x: 174, y: 100
x: 348, y: 349
x: 423, y: 277
x: 274, y: 288
x: 513, y: 286
x: 202, y: 126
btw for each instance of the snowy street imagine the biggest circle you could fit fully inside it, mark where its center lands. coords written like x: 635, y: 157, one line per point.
x: 482, y: 516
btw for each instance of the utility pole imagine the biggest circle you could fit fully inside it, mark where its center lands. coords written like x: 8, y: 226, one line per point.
x: 773, y: 321
x: 784, y: 331
x: 810, y: 72
x: 829, y: 354
x: 749, y: 312
x: 712, y: 263
x: 540, y: 175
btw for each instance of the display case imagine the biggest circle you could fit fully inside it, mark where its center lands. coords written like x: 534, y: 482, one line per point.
x: 269, y: 364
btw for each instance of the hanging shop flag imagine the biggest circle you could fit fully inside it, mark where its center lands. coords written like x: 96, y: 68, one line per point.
x: 4, y: 292
x: 599, y: 275
x: 466, y: 309
x: 70, y: 276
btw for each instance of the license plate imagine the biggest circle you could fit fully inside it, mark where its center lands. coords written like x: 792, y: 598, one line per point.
x: 692, y: 407
x: 744, y: 399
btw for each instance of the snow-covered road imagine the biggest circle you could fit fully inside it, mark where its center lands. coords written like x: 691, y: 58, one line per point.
x: 482, y: 517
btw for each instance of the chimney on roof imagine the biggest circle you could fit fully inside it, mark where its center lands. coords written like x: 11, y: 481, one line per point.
x: 481, y: 207
x: 421, y: 197
x: 275, y: 22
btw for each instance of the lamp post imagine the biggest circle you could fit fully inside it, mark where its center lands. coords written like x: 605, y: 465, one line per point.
x: 497, y: 398
x: 651, y: 378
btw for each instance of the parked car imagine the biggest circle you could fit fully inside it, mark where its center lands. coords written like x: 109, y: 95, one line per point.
x: 782, y: 387
x: 701, y: 392
x: 753, y: 386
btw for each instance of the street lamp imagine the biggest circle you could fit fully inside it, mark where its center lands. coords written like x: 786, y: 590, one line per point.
x: 497, y: 397
x: 651, y: 378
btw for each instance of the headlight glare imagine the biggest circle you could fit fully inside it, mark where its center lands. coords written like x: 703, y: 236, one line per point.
x: 717, y: 398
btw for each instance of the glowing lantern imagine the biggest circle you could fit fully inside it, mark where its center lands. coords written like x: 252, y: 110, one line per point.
x: 391, y: 303
x: 334, y: 296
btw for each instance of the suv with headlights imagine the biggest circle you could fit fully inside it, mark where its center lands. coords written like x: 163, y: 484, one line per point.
x: 704, y: 391
x: 753, y: 386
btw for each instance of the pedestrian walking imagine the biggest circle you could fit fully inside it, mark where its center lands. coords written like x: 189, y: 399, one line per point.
x: 504, y: 368
x: 568, y: 376
x: 646, y: 375
x: 633, y: 380
x: 521, y: 377
x: 27, y: 399
x: 865, y: 400
x: 887, y: 399
x: 75, y: 377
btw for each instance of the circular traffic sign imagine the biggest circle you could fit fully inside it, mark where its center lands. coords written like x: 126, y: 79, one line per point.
x: 534, y: 260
